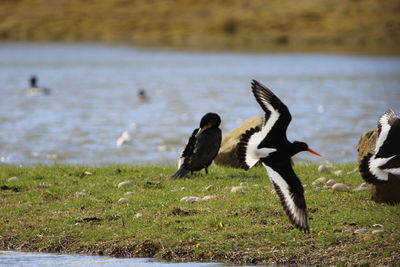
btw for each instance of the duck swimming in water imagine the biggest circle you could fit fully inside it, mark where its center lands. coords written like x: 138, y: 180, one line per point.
x: 202, y: 147
x: 142, y: 97
x: 35, y: 90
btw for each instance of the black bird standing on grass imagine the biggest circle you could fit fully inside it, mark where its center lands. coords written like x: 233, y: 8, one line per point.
x: 202, y: 147
x: 375, y: 168
x: 270, y: 145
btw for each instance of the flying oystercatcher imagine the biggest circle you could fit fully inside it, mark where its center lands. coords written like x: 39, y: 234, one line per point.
x: 270, y: 145
x: 375, y: 168
x: 202, y: 147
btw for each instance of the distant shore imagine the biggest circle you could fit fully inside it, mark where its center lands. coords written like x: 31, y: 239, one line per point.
x: 128, y: 211
x: 367, y: 27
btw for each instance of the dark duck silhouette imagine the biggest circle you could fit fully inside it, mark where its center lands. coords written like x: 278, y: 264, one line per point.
x: 375, y: 168
x: 35, y: 90
x: 270, y: 145
x: 202, y: 147
x: 142, y: 96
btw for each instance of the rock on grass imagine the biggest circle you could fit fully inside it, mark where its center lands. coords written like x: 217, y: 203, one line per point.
x: 191, y: 199
x: 123, y: 200
x: 323, y: 169
x: 330, y: 182
x: 124, y: 184
x: 13, y: 179
x: 239, y: 188
x: 319, y: 181
x: 340, y: 187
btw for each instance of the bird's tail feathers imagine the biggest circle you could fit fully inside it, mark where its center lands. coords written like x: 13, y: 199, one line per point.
x: 245, y: 151
x: 181, y: 172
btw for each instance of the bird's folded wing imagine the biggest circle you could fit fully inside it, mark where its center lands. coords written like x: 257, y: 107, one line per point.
x: 393, y: 163
x: 188, y: 150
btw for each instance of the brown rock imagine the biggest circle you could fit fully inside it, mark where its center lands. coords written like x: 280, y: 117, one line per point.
x: 386, y: 193
x: 366, y: 144
x: 227, y: 153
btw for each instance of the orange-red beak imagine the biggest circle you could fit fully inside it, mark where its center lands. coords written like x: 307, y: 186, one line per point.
x: 315, y: 153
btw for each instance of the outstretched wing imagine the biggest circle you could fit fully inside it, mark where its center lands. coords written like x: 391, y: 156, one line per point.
x: 277, y: 115
x: 388, y: 142
x: 259, y: 143
x: 291, y: 193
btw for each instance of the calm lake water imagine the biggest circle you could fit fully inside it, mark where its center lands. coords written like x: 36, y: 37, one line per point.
x: 19, y: 259
x: 332, y: 98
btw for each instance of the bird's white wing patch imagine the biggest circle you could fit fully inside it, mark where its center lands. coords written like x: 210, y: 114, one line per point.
x: 385, y: 127
x: 299, y: 216
x: 181, y: 160
x: 253, y: 154
x: 375, y: 163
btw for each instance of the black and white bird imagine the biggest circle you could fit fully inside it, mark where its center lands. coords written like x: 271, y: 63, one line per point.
x: 202, y: 147
x: 375, y: 168
x: 35, y: 90
x: 270, y: 145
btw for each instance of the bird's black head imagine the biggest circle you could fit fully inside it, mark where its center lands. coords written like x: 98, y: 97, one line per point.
x: 210, y: 120
x: 33, y: 81
x: 142, y: 93
x: 301, y: 146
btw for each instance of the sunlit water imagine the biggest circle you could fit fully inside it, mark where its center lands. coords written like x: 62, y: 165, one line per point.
x: 20, y: 259
x: 332, y: 98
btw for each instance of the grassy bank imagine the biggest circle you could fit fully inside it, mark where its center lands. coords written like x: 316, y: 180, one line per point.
x: 62, y: 209
x: 367, y: 26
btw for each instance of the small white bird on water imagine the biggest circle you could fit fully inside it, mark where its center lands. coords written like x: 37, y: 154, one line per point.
x: 124, y: 138
x: 375, y: 168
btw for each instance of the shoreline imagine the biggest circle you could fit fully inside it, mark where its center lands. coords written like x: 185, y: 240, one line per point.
x: 78, y: 209
x: 220, y: 49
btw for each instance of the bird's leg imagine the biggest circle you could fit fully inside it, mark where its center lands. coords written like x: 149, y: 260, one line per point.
x: 206, y: 168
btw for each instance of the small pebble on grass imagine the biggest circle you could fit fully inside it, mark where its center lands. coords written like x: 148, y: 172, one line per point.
x: 123, y: 200
x: 319, y: 181
x: 80, y: 194
x: 338, y: 172
x: 330, y: 182
x: 137, y: 215
x: 124, y: 184
x: 208, y: 188
x: 323, y: 169
x: 340, y: 187
x: 209, y: 197
x: 360, y: 231
x: 129, y: 193
x: 13, y: 179
x: 239, y: 188
x: 191, y: 199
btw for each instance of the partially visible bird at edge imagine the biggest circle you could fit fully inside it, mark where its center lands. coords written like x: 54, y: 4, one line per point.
x: 375, y: 167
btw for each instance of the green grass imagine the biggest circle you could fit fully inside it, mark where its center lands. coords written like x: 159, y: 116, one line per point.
x: 41, y: 212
